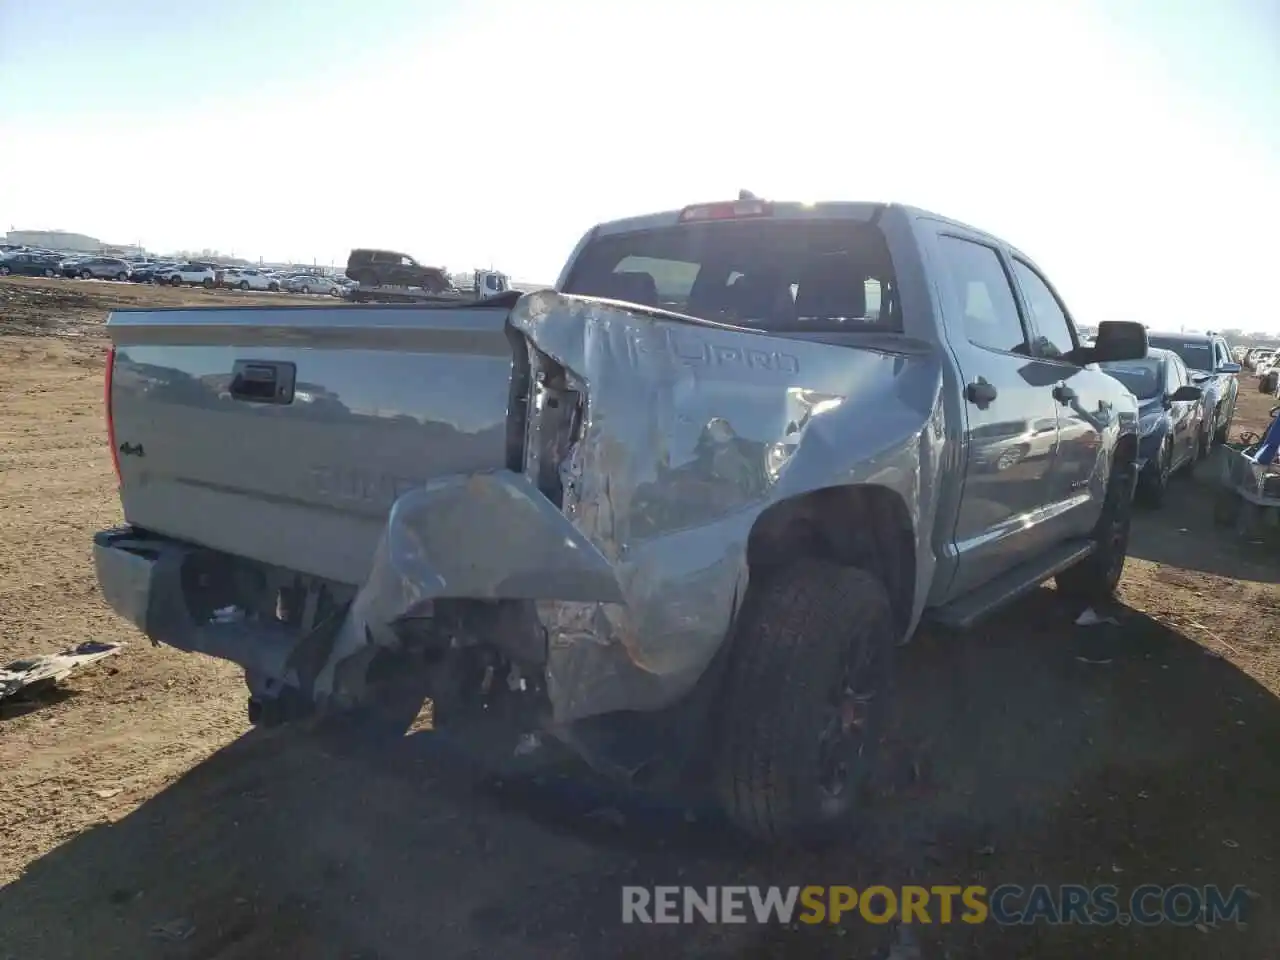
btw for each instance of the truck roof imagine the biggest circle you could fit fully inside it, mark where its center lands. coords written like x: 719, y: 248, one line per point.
x: 866, y: 210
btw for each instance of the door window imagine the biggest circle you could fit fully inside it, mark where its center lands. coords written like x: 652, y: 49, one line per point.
x: 1054, y: 335
x: 982, y: 289
x: 1174, y: 377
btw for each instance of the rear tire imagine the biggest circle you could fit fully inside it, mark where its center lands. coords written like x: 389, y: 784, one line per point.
x: 49, y: 273
x: 304, y: 289
x: 1095, y: 578
x: 244, y: 284
x: 207, y: 283
x: 804, y: 698
x: 86, y: 275
x: 176, y: 281
x: 4, y: 271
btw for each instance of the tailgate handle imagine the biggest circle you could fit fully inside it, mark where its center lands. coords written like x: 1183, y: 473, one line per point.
x: 262, y: 381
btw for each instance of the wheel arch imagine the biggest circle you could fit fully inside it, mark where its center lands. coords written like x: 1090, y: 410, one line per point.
x: 867, y: 526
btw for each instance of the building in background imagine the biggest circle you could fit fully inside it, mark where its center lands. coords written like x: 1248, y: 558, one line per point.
x: 55, y: 240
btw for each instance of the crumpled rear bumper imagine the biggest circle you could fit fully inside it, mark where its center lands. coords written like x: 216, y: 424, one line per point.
x: 487, y: 537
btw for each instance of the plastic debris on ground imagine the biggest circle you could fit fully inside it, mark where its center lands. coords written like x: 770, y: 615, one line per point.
x: 1091, y: 618
x: 28, y: 673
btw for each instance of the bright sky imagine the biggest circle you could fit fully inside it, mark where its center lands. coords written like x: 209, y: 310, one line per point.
x: 1132, y: 147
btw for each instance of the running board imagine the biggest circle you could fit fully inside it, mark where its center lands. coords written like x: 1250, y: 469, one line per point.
x: 963, y: 612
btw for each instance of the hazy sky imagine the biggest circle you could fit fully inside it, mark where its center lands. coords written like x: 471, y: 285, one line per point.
x: 1131, y: 147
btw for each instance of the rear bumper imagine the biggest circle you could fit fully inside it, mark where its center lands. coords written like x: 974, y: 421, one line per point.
x: 488, y: 537
x: 142, y: 579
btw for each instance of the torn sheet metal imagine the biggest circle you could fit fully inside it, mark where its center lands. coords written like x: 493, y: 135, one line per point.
x: 47, y: 669
x: 686, y: 434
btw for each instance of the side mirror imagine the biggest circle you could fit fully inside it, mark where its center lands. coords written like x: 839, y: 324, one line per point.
x: 1187, y: 394
x: 1229, y: 367
x: 1117, y: 340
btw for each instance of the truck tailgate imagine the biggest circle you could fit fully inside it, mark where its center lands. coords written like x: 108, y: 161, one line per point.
x: 285, y: 434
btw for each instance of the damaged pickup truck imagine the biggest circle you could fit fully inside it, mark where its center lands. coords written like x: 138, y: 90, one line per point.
x: 676, y: 513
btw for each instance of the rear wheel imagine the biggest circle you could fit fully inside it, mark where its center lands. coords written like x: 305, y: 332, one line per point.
x: 86, y: 275
x: 176, y: 281
x: 804, y: 698
x: 48, y: 272
x: 244, y: 284
x: 122, y: 277
x: 1095, y: 578
x: 304, y: 289
x: 4, y: 270
x: 207, y: 283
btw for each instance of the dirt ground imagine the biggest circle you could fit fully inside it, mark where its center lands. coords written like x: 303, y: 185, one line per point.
x: 140, y: 817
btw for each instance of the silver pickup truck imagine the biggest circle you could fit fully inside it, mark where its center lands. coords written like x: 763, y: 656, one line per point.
x: 677, y: 512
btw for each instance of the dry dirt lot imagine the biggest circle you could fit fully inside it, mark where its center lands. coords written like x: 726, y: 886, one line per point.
x: 140, y: 817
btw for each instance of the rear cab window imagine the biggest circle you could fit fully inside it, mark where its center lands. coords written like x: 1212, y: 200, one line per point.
x: 1196, y: 354
x: 819, y: 275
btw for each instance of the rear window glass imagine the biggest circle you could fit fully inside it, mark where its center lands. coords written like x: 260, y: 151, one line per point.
x: 1196, y: 354
x: 1143, y: 378
x: 794, y: 275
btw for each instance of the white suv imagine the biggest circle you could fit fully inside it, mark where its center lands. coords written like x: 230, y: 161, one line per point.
x: 196, y: 274
x: 249, y: 278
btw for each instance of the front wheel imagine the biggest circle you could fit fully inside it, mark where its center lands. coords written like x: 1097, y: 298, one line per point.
x: 304, y: 289
x: 1095, y: 578
x: 273, y: 287
x: 176, y: 281
x: 86, y: 275
x: 244, y: 284
x: 4, y: 271
x: 49, y: 273
x: 122, y: 277
x: 1154, y: 482
x: 804, y: 698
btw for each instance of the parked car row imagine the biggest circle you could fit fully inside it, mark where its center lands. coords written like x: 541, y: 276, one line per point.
x: 46, y: 263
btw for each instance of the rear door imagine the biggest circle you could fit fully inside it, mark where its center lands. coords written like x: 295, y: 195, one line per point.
x: 1008, y: 404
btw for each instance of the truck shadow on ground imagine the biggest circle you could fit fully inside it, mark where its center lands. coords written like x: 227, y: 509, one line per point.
x: 1032, y: 752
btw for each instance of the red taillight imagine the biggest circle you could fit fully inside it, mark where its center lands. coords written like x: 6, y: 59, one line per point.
x: 111, y: 423
x: 729, y: 210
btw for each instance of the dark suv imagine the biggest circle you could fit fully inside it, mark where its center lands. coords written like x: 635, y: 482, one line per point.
x: 377, y: 268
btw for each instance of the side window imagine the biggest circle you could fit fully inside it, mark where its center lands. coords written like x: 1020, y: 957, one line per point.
x: 1173, y: 375
x: 1224, y: 355
x: 1054, y: 336
x: 982, y: 289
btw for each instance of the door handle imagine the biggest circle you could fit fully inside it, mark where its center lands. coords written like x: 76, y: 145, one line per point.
x: 262, y: 381
x: 1063, y: 394
x: 980, y: 393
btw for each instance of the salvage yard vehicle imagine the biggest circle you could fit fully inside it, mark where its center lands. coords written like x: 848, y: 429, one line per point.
x: 29, y: 264
x: 1214, y: 371
x: 1171, y: 418
x: 386, y: 268
x: 96, y: 268
x: 675, y: 514
x: 192, y: 273
x: 249, y: 278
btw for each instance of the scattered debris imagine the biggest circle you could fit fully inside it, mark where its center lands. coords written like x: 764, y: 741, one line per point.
x: 108, y: 793
x: 1099, y: 663
x: 1230, y: 843
x: 33, y: 673
x: 1091, y: 618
